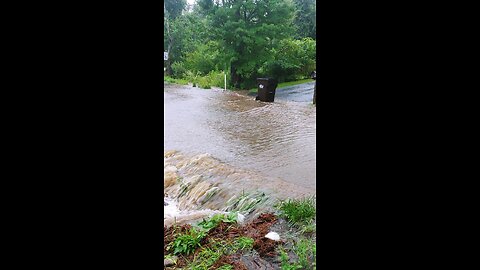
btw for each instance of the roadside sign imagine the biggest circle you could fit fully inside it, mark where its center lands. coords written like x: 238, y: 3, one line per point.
x: 165, y: 56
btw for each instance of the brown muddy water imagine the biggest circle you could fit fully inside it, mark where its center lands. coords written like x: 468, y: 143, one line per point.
x: 224, y: 151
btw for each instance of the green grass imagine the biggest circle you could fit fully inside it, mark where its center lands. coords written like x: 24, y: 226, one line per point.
x: 304, y: 256
x: 284, y: 84
x: 205, y: 259
x: 305, y: 250
x: 300, y: 212
x: 243, y: 243
x: 173, y: 80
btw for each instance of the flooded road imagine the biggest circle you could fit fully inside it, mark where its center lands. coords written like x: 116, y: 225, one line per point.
x: 298, y: 93
x: 275, y: 140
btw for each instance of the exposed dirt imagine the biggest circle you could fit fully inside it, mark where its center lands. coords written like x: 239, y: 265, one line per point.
x: 256, y: 229
x: 233, y: 260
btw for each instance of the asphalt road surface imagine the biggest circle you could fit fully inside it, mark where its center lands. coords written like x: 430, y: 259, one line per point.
x: 298, y: 93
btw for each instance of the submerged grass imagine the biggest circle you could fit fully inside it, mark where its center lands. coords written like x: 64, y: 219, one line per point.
x: 245, y: 203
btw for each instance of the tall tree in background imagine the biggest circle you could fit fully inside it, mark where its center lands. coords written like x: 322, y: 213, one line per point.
x: 175, y: 8
x: 245, y: 38
x: 172, y: 9
x: 247, y: 29
x: 305, y: 18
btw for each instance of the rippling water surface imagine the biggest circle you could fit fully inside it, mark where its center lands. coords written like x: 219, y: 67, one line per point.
x: 271, y: 139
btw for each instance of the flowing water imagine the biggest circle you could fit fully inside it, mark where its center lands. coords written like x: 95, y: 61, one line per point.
x: 224, y: 152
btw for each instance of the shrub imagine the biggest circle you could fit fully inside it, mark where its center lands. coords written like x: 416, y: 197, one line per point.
x: 179, y: 69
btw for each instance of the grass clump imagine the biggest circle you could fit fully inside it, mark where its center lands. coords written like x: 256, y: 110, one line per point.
x: 298, y: 211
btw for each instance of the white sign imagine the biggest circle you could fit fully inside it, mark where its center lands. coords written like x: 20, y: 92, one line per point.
x: 165, y: 56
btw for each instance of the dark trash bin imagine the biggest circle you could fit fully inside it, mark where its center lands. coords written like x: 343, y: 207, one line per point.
x: 266, y: 89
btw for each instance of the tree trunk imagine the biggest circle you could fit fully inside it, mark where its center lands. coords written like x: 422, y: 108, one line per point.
x: 169, y: 61
x: 236, y: 79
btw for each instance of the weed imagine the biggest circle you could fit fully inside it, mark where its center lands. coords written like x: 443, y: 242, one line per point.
x: 213, y: 222
x: 187, y: 243
x: 226, y: 267
x: 206, y: 258
x: 298, y: 211
x: 243, y: 243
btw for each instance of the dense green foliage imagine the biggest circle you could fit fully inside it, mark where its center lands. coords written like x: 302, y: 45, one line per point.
x: 246, y: 39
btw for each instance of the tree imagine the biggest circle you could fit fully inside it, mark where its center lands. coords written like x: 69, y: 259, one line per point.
x: 172, y: 9
x: 305, y: 18
x: 247, y: 29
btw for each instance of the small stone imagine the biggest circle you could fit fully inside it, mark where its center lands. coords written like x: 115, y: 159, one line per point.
x: 170, y: 262
x: 240, y: 218
x: 273, y: 235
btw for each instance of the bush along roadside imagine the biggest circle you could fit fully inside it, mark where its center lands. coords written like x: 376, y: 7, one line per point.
x: 220, y: 242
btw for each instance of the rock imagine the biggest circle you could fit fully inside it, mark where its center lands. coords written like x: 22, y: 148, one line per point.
x: 170, y: 261
x: 273, y: 235
x: 240, y: 218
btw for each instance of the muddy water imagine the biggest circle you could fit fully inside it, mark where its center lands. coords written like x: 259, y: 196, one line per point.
x: 273, y: 140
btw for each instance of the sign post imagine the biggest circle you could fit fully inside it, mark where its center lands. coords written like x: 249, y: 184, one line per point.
x: 165, y: 56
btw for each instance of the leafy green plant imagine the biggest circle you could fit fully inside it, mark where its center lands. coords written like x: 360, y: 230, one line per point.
x: 187, y: 243
x: 226, y: 267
